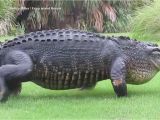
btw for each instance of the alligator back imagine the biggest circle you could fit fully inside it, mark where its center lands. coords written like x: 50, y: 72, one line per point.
x: 65, y: 59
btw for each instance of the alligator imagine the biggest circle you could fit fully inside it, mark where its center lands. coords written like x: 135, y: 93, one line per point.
x: 64, y: 59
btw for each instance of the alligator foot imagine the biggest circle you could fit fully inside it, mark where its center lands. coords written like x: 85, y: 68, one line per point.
x: 16, y: 92
x: 14, y: 87
x: 4, y: 94
x: 120, y: 88
x: 10, y: 89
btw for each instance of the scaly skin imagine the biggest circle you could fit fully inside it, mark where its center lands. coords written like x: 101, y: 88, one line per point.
x: 67, y: 59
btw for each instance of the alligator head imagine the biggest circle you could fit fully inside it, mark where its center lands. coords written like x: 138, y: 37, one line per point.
x: 154, y: 56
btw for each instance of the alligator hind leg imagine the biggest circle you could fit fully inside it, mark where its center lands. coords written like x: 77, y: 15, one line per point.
x: 3, y: 90
x: 14, y: 87
x: 118, y: 72
x: 16, y: 66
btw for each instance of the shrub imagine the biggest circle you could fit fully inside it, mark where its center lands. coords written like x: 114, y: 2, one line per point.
x: 124, y: 11
x: 146, y: 22
x: 6, y: 16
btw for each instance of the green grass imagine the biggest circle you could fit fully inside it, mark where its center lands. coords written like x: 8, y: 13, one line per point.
x: 34, y: 102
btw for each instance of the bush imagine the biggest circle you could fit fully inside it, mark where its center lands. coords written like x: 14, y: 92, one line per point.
x: 6, y: 16
x: 146, y: 23
x: 5, y: 5
x: 124, y: 11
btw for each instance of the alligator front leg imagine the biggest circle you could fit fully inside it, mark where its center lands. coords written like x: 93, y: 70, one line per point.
x: 118, y: 72
x: 16, y: 66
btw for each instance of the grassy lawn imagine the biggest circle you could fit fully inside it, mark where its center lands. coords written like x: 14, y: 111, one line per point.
x: 100, y: 103
x: 34, y: 102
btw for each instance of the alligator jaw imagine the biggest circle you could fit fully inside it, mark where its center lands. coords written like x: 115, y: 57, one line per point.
x: 155, y: 64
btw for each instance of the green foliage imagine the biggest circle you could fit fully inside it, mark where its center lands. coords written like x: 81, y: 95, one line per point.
x: 5, y: 5
x: 146, y: 23
x: 6, y: 16
x: 16, y: 30
x: 121, y: 24
x: 93, y: 15
x: 124, y: 11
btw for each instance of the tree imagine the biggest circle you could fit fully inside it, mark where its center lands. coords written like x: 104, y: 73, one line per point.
x: 81, y: 14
